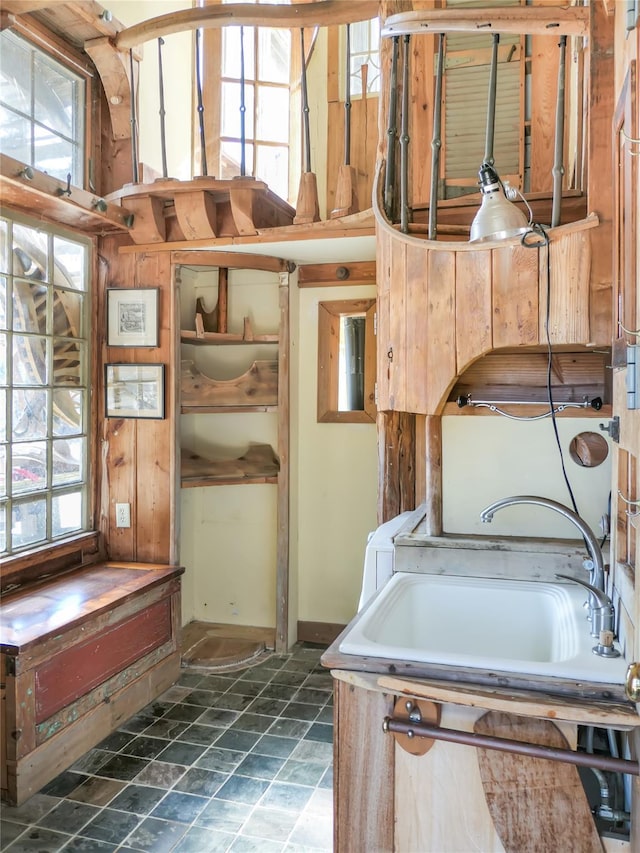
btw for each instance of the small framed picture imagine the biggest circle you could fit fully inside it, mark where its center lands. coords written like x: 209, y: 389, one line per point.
x: 132, y: 317
x: 134, y: 390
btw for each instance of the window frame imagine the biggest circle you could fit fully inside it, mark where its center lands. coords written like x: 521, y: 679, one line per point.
x: 50, y: 556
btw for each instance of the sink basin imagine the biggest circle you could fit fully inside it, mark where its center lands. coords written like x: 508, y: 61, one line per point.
x: 525, y: 627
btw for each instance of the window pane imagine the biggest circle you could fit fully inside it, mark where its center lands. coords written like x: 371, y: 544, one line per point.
x: 66, y: 362
x: 3, y: 471
x: 29, y: 414
x: 273, y: 114
x: 3, y: 415
x: 273, y: 168
x: 28, y: 467
x: 4, y: 245
x: 29, y: 523
x: 54, y: 97
x: 274, y: 51
x: 68, y: 407
x: 230, y: 159
x: 15, y: 73
x: 3, y: 359
x: 67, y: 313
x: 30, y: 253
x: 3, y: 302
x: 29, y: 307
x: 231, y: 66
x: 231, y: 110
x: 67, y: 461
x: 53, y: 155
x: 3, y: 528
x: 66, y: 513
x: 29, y: 360
x: 359, y: 37
x: 15, y: 135
x: 69, y: 261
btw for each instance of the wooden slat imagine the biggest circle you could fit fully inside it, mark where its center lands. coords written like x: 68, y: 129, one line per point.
x: 572, y: 20
x: 515, y: 296
x: 231, y: 260
x: 545, y: 58
x: 396, y: 352
x: 336, y: 275
x: 417, y: 349
x: 258, y: 465
x: 284, y: 630
x: 473, y: 307
x: 441, y: 325
x: 396, y: 464
x: 570, y: 268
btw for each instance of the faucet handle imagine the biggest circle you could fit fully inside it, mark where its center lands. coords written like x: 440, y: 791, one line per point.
x: 602, y: 615
x: 601, y: 597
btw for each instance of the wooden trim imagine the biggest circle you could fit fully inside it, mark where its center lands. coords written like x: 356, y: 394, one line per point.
x: 337, y: 275
x: 572, y: 20
x: 231, y: 260
x: 282, y: 545
x: 396, y: 464
x: 320, y: 13
x: 323, y: 633
x: 49, y: 559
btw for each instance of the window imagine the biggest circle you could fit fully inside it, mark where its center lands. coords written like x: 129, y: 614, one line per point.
x: 44, y: 373
x: 267, y: 57
x: 364, y: 38
x: 42, y: 105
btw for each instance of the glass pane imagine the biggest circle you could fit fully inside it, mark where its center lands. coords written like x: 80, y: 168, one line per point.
x: 53, y: 155
x: 67, y: 411
x: 3, y: 527
x: 231, y: 110
x: 29, y: 360
x: 28, y: 466
x: 274, y: 52
x: 230, y: 159
x: 29, y: 523
x: 70, y: 260
x: 67, y: 461
x: 29, y: 414
x: 15, y: 135
x: 273, y: 114
x: 4, y: 245
x: 67, y: 313
x: 30, y: 307
x: 30, y: 253
x: 54, y: 97
x: 231, y: 66
x: 273, y: 168
x: 66, y: 513
x: 15, y: 72
x: 3, y: 415
x: 67, y: 368
x: 3, y: 302
x: 3, y: 359
x: 359, y: 37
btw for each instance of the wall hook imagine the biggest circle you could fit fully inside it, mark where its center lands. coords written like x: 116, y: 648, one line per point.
x: 631, y: 141
x: 635, y: 332
x: 629, y: 503
x: 67, y: 190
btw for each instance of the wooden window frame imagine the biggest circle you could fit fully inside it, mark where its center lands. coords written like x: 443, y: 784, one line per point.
x: 329, y: 316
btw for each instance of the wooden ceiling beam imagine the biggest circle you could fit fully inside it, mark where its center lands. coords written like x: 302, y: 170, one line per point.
x: 521, y: 20
x: 321, y: 13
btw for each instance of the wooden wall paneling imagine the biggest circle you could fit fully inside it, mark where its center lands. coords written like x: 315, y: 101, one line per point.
x: 282, y: 544
x: 515, y: 296
x: 600, y: 86
x: 397, y: 353
x: 421, y: 107
x: 545, y: 58
x: 383, y: 325
x: 569, y: 311
x: 473, y: 306
x: 3, y: 723
x: 396, y: 463
x: 364, y: 777
x: 440, y: 329
x: 419, y: 346
x: 420, y: 462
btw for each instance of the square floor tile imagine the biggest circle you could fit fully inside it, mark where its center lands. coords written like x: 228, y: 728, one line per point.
x: 252, y: 723
x: 167, y: 729
x: 289, y: 728
x: 196, y: 733
x: 241, y: 789
x: 36, y: 839
x: 138, y: 799
x: 282, y: 795
x: 260, y: 766
x: 272, y: 824
x: 156, y: 836
x: 68, y: 816
x: 200, y: 781
x: 31, y: 811
x: 233, y: 701
x: 238, y: 740
x: 97, y: 791
x: 182, y: 753
x: 183, y: 713
x: 224, y: 815
x: 301, y: 772
x: 180, y: 807
x: 145, y: 747
x: 64, y: 784
x: 110, y: 825
x: 279, y: 747
x: 122, y: 767
x: 222, y: 760
x: 197, y: 839
x: 321, y: 732
x: 90, y: 845
x: 161, y: 774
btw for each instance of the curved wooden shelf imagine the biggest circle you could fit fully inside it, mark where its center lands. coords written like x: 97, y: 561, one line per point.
x: 188, y: 336
x: 258, y: 465
x: 254, y: 390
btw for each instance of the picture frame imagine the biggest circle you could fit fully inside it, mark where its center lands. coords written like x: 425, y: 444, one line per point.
x: 134, y: 391
x: 132, y: 316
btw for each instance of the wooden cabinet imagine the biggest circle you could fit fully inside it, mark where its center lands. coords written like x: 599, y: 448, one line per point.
x: 234, y: 385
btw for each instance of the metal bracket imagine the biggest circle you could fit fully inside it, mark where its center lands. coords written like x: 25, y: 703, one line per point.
x: 613, y: 428
x: 633, y: 377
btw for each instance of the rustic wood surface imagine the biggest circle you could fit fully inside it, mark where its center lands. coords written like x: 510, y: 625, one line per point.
x: 258, y: 465
x: 257, y: 386
x: 535, y: 806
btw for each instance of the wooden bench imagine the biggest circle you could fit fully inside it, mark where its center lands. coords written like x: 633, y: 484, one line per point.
x: 80, y: 654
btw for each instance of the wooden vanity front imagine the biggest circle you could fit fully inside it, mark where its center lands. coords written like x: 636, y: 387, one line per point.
x: 80, y: 653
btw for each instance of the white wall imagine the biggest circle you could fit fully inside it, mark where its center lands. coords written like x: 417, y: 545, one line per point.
x: 489, y: 457
x: 177, y: 66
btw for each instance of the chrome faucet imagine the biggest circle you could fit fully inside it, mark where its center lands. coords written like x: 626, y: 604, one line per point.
x: 595, y: 565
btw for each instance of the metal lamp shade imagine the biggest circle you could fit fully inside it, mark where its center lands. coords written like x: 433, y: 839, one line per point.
x: 497, y: 219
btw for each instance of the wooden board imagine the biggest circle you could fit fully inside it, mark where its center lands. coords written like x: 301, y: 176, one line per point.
x: 535, y: 804
x: 258, y: 465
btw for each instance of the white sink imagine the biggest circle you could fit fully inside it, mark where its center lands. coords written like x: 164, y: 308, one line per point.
x: 526, y: 627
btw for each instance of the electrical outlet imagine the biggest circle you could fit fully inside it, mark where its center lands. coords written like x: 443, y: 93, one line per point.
x: 123, y: 515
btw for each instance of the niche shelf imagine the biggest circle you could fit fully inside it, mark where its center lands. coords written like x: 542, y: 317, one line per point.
x: 258, y: 465
x: 256, y: 390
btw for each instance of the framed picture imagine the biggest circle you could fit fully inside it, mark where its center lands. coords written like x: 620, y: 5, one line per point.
x: 134, y: 390
x: 132, y: 317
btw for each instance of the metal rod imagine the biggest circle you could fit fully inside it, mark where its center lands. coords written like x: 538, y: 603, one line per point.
x: 134, y: 123
x: 491, y: 106
x: 203, y: 146
x: 243, y: 110
x: 558, y: 168
x: 163, y: 134
x: 347, y: 102
x: 534, y: 750
x: 436, y: 142
x: 404, y: 140
x: 392, y: 130
x: 305, y: 106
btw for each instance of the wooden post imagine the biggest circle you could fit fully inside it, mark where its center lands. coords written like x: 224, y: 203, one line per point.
x: 396, y: 461
x: 223, y: 285
x: 433, y: 470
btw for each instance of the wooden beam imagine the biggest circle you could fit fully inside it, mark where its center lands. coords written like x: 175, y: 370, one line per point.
x: 334, y: 275
x: 321, y: 13
x: 552, y: 21
x: 232, y: 260
x: 112, y: 66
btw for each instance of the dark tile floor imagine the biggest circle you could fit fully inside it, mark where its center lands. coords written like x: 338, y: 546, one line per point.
x: 229, y: 761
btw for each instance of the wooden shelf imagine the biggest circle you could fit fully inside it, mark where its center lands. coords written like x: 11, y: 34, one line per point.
x: 258, y: 465
x: 188, y: 336
x: 197, y: 409
x: 255, y: 390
